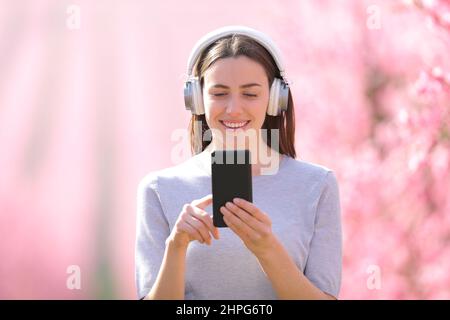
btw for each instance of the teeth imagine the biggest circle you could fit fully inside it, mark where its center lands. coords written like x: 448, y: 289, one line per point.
x: 234, y: 124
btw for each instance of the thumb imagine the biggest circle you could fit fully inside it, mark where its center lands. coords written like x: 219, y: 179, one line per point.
x: 202, y: 203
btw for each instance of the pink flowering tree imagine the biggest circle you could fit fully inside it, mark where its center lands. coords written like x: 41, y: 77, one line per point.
x: 372, y: 91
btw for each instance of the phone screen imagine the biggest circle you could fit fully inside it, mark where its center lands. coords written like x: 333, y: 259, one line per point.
x: 231, y: 178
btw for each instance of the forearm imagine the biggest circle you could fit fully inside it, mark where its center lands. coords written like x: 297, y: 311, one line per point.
x: 286, y: 279
x: 169, y: 283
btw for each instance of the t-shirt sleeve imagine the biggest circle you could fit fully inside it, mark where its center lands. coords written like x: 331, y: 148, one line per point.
x: 152, y: 230
x: 324, y: 264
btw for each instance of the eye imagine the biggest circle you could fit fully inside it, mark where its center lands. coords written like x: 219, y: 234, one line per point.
x: 250, y: 95
x: 218, y: 94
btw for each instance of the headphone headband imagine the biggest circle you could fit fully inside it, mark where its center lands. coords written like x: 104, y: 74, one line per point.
x: 258, y: 36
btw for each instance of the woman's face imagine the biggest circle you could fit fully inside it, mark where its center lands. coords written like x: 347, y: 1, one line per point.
x: 235, y: 96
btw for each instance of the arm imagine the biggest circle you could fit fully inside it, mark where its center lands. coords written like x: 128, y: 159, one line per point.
x: 287, y: 280
x: 152, y: 230
x: 160, y: 253
x: 324, y: 264
x: 169, y: 283
x: 323, y: 267
x: 193, y: 224
x: 160, y: 263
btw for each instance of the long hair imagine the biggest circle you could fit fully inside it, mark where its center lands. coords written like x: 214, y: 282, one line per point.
x: 233, y: 46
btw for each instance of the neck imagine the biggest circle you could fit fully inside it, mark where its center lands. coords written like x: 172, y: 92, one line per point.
x: 263, y: 160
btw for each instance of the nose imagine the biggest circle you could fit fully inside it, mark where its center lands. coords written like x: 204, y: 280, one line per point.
x: 234, y: 107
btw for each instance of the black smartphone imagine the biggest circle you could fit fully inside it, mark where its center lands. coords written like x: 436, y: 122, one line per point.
x: 231, y: 178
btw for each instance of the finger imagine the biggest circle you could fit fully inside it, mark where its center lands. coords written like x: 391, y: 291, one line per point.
x: 252, y: 209
x: 249, y: 219
x: 191, y: 231
x: 202, y: 217
x: 237, y: 231
x: 202, y: 203
x: 240, y: 225
x: 206, y: 219
x: 200, y: 227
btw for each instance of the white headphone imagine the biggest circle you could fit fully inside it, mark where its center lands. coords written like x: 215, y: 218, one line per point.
x: 279, y: 91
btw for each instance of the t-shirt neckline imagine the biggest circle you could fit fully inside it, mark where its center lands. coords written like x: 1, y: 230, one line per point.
x: 200, y: 161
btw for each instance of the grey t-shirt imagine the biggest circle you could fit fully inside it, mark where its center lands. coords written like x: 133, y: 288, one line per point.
x: 302, y: 200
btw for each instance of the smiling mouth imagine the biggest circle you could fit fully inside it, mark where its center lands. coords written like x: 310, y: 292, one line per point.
x: 234, y: 125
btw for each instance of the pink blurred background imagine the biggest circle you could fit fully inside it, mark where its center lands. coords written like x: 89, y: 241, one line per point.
x: 89, y: 106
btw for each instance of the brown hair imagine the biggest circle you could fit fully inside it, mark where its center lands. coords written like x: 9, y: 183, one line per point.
x: 233, y: 46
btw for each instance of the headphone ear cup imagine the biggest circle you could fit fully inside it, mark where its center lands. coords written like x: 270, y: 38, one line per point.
x: 188, y: 96
x: 272, y: 109
x: 283, y: 98
x: 197, y: 98
x: 278, y: 99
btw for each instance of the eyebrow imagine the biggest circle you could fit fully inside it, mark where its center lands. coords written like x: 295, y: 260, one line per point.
x: 248, y: 85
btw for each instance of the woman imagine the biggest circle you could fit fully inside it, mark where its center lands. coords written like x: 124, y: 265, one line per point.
x: 287, y: 244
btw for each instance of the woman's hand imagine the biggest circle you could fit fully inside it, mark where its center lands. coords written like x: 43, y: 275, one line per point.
x: 194, y: 223
x: 251, y: 224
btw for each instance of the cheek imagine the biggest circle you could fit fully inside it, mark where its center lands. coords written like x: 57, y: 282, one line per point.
x: 213, y: 109
x: 258, y: 110
x: 259, y: 119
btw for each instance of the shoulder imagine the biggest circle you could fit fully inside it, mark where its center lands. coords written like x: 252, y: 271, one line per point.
x: 309, y: 171
x: 311, y: 179
x: 179, y: 173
